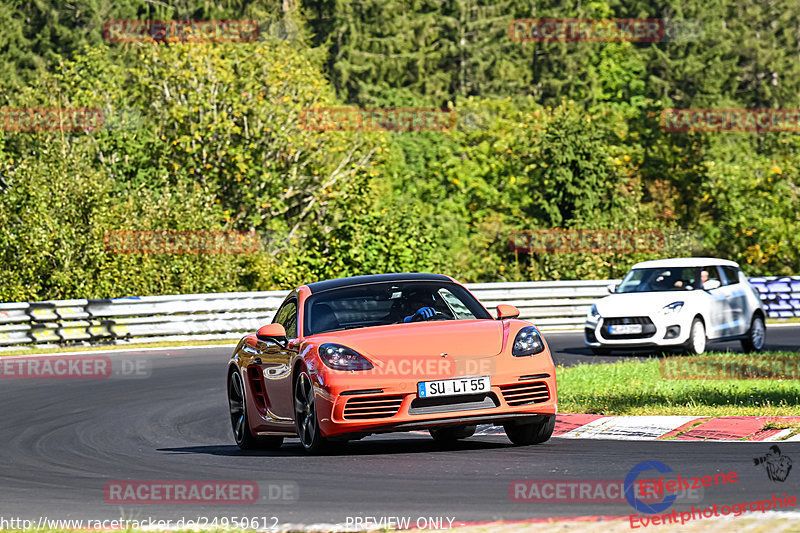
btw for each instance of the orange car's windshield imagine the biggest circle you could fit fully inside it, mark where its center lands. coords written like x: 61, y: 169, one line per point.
x: 379, y: 304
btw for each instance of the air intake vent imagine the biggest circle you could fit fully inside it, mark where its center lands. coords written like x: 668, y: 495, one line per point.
x: 525, y: 393
x: 372, y: 407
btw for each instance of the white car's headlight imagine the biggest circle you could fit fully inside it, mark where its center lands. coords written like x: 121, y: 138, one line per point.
x: 672, y: 308
x: 593, y: 312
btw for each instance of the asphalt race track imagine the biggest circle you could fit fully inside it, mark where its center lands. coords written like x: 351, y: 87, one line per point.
x: 568, y: 348
x: 63, y: 440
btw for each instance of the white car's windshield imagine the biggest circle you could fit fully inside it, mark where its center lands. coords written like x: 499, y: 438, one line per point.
x: 660, y: 279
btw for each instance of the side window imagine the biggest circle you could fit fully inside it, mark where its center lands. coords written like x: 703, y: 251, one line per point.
x: 287, y: 317
x: 730, y: 275
x: 713, y: 273
x: 456, y: 306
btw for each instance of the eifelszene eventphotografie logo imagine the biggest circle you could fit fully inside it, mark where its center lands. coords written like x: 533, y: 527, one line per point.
x: 630, y: 495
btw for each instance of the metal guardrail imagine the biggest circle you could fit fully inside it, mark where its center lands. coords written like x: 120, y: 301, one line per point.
x: 550, y: 304
x: 781, y: 295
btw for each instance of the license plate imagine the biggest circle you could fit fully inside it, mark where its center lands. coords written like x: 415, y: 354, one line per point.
x: 625, y: 329
x: 454, y: 387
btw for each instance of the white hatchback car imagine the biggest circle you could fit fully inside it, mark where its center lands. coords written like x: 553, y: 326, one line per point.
x: 679, y: 303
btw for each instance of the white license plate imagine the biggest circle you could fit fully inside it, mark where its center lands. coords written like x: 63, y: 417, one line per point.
x: 454, y: 387
x: 625, y: 329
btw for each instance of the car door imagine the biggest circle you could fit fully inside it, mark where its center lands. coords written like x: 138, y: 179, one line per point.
x: 276, y: 360
x: 736, y: 293
x: 719, y: 309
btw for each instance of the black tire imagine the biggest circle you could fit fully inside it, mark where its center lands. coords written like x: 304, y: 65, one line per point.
x: 450, y: 434
x: 756, y: 335
x: 241, y: 426
x: 600, y: 351
x: 697, y: 341
x: 531, y: 432
x: 305, y: 416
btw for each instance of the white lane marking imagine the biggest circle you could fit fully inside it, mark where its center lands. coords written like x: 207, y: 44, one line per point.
x: 778, y: 435
x: 629, y: 427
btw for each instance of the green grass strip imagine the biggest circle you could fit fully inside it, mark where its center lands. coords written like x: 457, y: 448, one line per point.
x: 637, y: 388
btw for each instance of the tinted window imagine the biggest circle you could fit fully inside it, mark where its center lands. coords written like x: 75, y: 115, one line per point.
x: 730, y: 275
x: 287, y: 317
x: 381, y: 304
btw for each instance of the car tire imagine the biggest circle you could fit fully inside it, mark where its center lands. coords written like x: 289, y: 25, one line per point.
x: 450, y: 434
x: 305, y: 416
x: 696, y: 343
x: 756, y: 335
x: 531, y: 432
x: 244, y: 438
x: 600, y: 351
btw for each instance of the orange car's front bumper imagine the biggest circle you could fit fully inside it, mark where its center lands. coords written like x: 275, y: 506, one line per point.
x: 520, y: 387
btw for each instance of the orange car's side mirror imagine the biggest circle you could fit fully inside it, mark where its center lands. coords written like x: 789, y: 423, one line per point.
x: 272, y: 332
x: 506, y: 311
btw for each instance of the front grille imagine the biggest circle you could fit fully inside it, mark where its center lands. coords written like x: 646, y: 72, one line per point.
x: 448, y: 404
x: 525, y: 393
x: 372, y: 407
x: 648, y: 328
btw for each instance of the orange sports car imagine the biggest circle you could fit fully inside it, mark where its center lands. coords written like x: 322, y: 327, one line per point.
x: 349, y: 357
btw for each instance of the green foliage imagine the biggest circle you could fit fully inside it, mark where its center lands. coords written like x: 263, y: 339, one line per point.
x: 548, y: 134
x: 639, y: 387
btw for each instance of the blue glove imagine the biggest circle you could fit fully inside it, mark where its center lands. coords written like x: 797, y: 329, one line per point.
x: 424, y: 312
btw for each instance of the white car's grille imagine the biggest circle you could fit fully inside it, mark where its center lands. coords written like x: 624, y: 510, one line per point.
x: 647, y: 331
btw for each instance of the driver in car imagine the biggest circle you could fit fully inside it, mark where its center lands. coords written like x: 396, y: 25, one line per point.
x: 423, y: 303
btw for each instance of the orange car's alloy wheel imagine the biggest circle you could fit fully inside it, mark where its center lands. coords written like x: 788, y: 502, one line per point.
x: 305, y: 412
x: 236, y: 401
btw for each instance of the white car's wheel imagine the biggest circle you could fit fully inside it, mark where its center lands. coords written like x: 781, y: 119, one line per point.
x: 696, y: 344
x: 756, y: 335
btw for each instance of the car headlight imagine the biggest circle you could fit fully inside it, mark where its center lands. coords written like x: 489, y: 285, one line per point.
x: 672, y: 308
x: 340, y: 357
x: 593, y: 312
x: 528, y: 342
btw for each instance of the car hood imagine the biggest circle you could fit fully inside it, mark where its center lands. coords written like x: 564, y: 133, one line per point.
x: 421, y: 339
x: 641, y: 303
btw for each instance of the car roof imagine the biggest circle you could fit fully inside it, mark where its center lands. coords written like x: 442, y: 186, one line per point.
x: 686, y: 262
x: 327, y: 285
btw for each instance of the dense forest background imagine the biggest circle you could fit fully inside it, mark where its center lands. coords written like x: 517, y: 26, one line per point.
x: 548, y: 135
